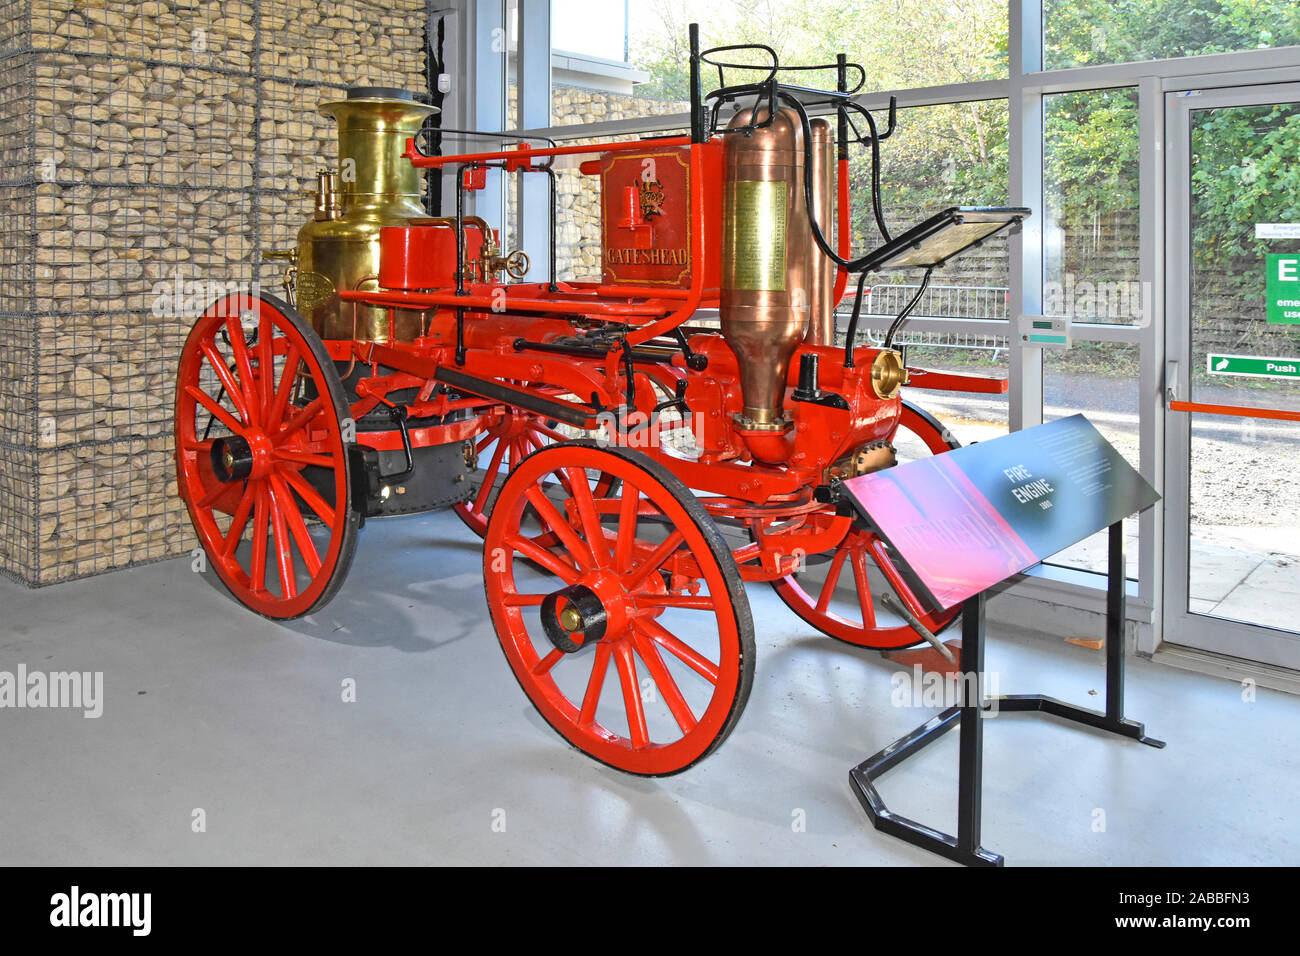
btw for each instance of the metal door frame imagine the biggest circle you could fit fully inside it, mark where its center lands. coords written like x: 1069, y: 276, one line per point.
x: 1251, y: 642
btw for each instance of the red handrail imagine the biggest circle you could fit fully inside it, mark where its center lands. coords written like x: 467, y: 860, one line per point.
x: 523, y: 154
x: 1237, y: 411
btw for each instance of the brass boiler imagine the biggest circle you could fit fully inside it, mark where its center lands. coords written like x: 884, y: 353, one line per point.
x: 375, y: 186
x: 773, y: 278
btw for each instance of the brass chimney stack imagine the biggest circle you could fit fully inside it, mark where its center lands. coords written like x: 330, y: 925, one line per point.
x: 374, y: 186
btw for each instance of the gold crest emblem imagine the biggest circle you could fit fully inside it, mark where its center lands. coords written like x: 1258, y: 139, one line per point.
x: 651, y: 193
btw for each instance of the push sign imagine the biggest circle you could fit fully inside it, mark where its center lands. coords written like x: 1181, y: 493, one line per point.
x: 1282, y: 292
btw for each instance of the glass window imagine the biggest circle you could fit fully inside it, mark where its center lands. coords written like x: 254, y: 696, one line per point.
x: 901, y: 43
x: 1089, y: 32
x: 1090, y: 207
x: 939, y: 156
x: 1101, y: 380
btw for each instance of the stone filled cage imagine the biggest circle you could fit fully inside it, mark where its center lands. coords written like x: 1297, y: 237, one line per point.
x: 145, y: 144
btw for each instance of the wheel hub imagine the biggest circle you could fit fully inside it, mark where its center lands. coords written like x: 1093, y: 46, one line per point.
x: 577, y: 623
x: 232, y: 458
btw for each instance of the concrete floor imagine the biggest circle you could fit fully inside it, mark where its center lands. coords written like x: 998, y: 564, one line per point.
x: 210, y: 707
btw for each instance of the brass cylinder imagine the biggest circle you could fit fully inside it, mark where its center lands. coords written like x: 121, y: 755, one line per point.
x: 376, y: 187
x: 821, y: 321
x: 766, y: 258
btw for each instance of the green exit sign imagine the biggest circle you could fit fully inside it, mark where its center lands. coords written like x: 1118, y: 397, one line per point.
x: 1282, y: 292
x: 1253, y: 366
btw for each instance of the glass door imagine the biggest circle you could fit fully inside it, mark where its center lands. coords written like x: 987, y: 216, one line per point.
x: 1232, y: 549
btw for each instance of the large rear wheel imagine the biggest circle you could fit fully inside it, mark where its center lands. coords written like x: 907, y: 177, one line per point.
x: 261, y: 460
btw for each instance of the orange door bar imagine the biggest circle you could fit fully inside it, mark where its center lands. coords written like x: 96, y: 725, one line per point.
x: 1239, y: 411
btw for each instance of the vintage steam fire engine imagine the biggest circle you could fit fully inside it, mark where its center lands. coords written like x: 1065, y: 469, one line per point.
x: 628, y: 462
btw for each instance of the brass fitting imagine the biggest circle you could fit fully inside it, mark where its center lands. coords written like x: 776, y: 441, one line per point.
x: 888, y: 375
x: 327, y: 196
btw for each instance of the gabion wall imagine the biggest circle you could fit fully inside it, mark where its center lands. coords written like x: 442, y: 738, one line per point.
x: 148, y: 152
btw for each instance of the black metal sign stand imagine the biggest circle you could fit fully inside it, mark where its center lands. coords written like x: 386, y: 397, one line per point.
x: 965, y: 846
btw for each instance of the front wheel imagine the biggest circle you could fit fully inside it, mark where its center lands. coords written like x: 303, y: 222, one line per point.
x: 622, y: 614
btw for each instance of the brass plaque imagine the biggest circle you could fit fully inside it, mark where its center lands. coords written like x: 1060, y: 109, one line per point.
x: 754, y: 244
x: 311, y: 289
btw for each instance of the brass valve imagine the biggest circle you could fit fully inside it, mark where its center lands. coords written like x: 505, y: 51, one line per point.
x: 290, y: 254
x: 515, y: 264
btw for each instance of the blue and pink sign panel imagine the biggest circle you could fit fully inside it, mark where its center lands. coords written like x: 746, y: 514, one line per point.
x: 968, y: 519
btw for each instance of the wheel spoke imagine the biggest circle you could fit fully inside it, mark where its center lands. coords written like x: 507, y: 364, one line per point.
x: 223, y: 416
x: 208, y: 500
x: 284, y: 391
x: 859, y: 558
x: 301, y: 418
x: 547, y: 559
x: 239, y: 348
x: 544, y: 665
x: 690, y: 602
x: 523, y: 600
x: 310, y: 495
x: 631, y: 697
x: 592, y: 529
x: 832, y: 578
x: 227, y: 380
x: 238, y: 522
x: 489, y: 478
x: 654, y: 561
x: 625, y: 540
x: 599, y: 668
x: 550, y: 433
x: 265, y: 360
x: 552, y: 519
x: 297, y: 526
x: 257, y: 568
x: 672, y: 694
x: 684, y: 652
x: 304, y: 458
x: 283, y: 551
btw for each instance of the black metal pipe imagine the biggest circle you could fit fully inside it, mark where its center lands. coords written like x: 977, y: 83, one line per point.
x: 907, y: 310
x: 852, y: 332
x: 842, y: 115
x: 697, y: 119
x: 591, y: 351
x: 552, y: 285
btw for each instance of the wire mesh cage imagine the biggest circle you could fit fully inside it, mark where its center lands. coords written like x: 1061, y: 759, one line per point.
x: 148, y: 153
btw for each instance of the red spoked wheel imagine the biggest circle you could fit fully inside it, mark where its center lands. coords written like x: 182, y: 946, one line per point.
x: 622, y: 616
x: 498, y: 450
x: 833, y: 592
x: 261, y: 460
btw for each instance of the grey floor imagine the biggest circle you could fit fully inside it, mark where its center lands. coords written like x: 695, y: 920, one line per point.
x: 442, y: 760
